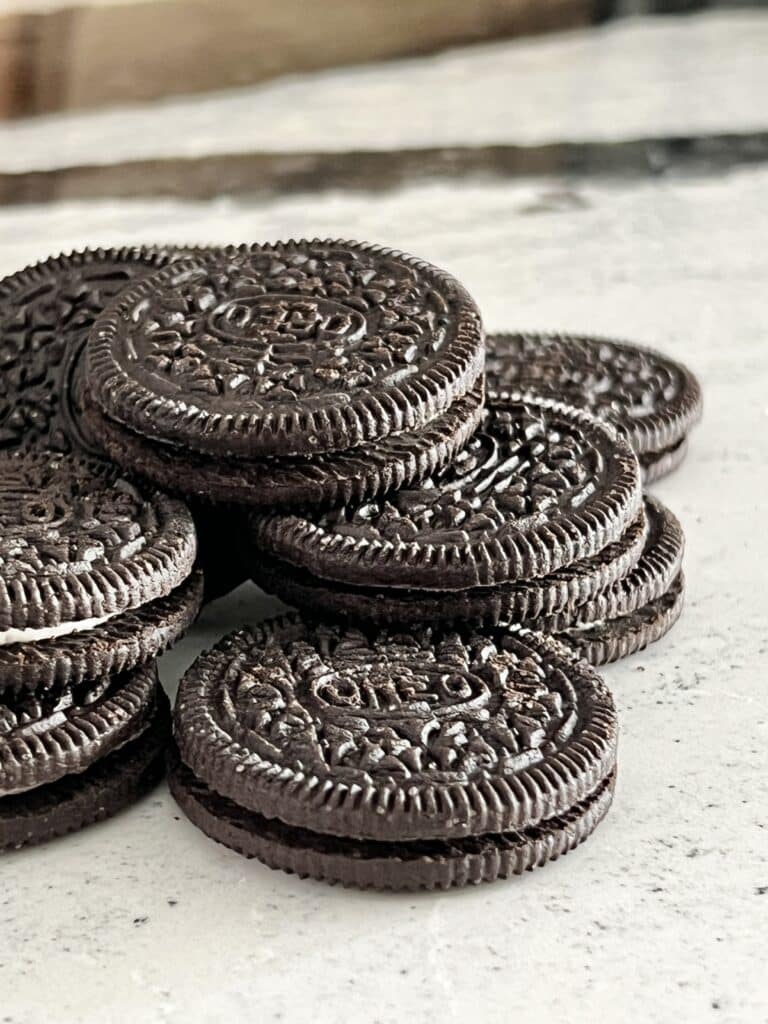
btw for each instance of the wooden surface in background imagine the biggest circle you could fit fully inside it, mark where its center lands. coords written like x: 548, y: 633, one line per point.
x: 95, y: 53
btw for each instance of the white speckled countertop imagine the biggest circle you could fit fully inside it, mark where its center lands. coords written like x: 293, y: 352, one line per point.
x: 662, y: 915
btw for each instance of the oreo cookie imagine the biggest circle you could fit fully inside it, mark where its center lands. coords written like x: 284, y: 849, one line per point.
x: 101, y: 790
x: 46, y: 311
x: 49, y: 735
x: 287, y: 349
x: 636, y: 610
x: 540, y: 487
x: 81, y: 544
x: 405, y: 760
x: 656, y: 570
x: 96, y: 578
x: 397, y: 460
x: 506, y: 603
x: 651, y: 399
x: 607, y: 640
x: 116, y: 645
x: 606, y: 607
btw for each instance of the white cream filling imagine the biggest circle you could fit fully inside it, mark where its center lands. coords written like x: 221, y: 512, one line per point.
x: 29, y: 636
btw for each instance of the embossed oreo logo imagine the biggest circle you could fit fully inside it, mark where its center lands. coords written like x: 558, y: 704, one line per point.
x: 287, y: 319
x: 389, y: 691
x: 448, y: 710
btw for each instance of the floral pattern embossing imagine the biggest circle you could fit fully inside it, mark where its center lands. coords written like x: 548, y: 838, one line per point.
x: 525, y: 461
x: 64, y: 517
x: 45, y: 314
x: 280, y: 324
x: 620, y: 383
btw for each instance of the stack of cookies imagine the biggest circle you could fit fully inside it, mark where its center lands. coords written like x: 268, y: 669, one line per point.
x: 540, y: 522
x: 462, y: 525
x: 95, y: 581
x: 296, y: 374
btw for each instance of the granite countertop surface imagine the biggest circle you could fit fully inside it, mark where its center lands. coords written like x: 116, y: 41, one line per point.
x: 662, y: 915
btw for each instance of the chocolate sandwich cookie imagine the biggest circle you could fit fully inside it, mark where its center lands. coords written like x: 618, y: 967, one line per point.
x: 383, y: 759
x: 116, y: 645
x: 48, y: 735
x: 425, y: 864
x: 651, y: 399
x: 79, y: 543
x: 607, y: 640
x: 507, y: 603
x: 95, y: 571
x: 541, y: 486
x: 109, y: 785
x: 94, y: 582
x: 285, y: 349
x: 655, y: 465
x: 651, y: 577
x: 362, y: 472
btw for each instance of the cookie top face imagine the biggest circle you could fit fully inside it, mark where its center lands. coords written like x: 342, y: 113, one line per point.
x: 80, y: 543
x: 395, y: 735
x: 539, y: 487
x: 286, y: 349
x: 651, y: 399
x: 46, y: 311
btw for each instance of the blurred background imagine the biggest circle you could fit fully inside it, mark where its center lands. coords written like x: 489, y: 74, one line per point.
x: 198, y: 99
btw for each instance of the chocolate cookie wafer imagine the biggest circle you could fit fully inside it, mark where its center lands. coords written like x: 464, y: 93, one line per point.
x: 55, y: 733
x: 364, y: 471
x: 318, y: 372
x: 651, y: 399
x: 651, y: 577
x: 420, y: 864
x: 540, y: 487
x: 636, y: 610
x: 80, y: 543
x: 409, y: 759
x: 292, y: 348
x: 46, y: 311
x: 96, y: 578
x: 96, y: 573
x: 116, y: 645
